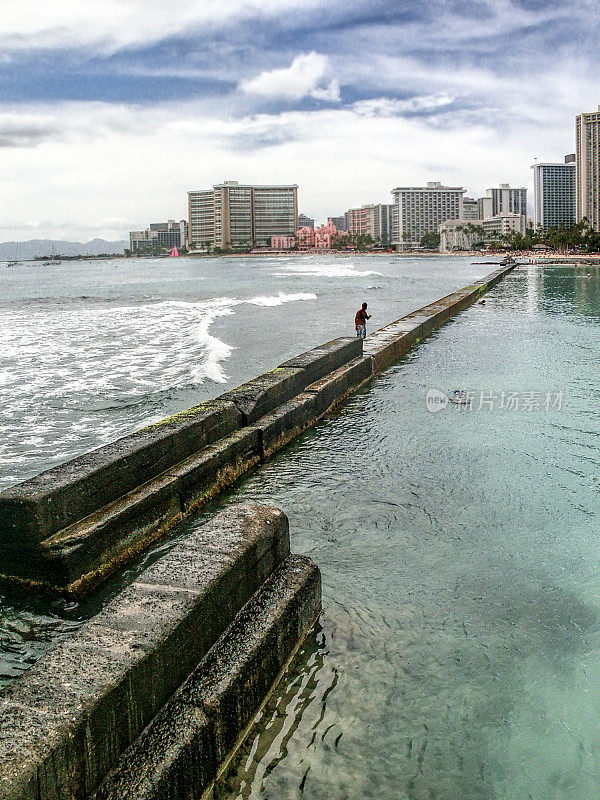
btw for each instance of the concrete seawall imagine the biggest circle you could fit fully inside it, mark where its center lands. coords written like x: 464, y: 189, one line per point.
x: 66, y: 529
x: 149, y: 698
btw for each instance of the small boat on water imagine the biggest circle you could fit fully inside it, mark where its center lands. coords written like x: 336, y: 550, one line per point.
x: 13, y: 264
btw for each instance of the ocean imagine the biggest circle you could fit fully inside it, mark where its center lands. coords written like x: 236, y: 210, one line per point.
x: 457, y: 655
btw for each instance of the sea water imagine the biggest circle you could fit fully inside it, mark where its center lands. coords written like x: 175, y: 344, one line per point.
x: 93, y: 350
x: 458, y: 654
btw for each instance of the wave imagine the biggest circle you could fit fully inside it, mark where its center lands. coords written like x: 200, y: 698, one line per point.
x: 281, y: 298
x: 325, y: 270
x: 215, y: 350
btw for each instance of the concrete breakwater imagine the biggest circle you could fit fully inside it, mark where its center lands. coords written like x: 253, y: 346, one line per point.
x: 147, y: 699
x: 69, y: 527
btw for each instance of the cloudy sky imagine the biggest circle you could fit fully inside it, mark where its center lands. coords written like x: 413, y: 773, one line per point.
x: 111, y: 110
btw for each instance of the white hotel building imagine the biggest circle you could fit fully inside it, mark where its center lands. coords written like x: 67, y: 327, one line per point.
x: 420, y: 210
x: 503, y: 199
x: 234, y: 214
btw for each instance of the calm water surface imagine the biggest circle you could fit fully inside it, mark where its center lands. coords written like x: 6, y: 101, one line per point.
x: 459, y: 650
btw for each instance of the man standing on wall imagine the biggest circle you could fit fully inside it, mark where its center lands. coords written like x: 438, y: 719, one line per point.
x: 360, y: 321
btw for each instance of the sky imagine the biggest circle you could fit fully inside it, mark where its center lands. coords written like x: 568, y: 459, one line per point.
x: 112, y: 110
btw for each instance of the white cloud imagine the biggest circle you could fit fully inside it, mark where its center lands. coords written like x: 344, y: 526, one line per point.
x: 307, y: 76
x: 110, y: 169
x: 112, y: 24
x: 389, y: 107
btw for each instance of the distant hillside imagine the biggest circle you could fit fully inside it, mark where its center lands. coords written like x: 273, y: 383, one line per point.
x: 48, y: 247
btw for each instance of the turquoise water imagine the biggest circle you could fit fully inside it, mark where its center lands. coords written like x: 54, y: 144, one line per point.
x: 458, y: 655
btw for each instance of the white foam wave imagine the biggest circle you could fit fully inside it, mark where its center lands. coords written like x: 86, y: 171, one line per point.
x: 215, y: 350
x: 281, y: 298
x: 325, y: 270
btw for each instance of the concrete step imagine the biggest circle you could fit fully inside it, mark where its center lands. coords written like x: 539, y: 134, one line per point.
x: 180, y: 753
x: 66, y: 721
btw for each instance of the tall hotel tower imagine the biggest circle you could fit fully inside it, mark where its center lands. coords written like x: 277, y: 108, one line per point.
x: 503, y: 199
x: 554, y: 194
x: 421, y: 209
x: 587, y: 143
x: 233, y: 214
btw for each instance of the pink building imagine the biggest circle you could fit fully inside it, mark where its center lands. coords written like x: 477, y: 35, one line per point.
x: 325, y: 236
x: 357, y: 220
x: 319, y: 239
x: 306, y: 237
x: 282, y: 242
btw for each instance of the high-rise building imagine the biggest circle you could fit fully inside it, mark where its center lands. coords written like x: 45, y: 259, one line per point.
x: 554, y: 193
x: 372, y: 219
x: 503, y: 199
x: 470, y: 208
x: 587, y: 145
x: 233, y: 214
x: 305, y: 222
x: 201, y: 216
x: 339, y: 222
x: 420, y: 210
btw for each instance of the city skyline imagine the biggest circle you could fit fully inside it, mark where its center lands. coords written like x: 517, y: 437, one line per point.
x: 109, y: 113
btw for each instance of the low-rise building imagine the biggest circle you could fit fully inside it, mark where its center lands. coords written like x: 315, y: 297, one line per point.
x: 306, y: 238
x: 459, y: 234
x: 321, y: 238
x: 282, y: 242
x: 325, y: 235
x: 503, y: 224
x: 143, y: 240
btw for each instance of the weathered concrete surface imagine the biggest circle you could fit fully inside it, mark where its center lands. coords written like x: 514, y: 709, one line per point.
x: 178, y: 755
x: 204, y: 474
x: 82, y: 554
x: 331, y: 390
x: 322, y: 360
x: 289, y: 420
x: 65, y: 722
x: 262, y: 395
x: 33, y: 510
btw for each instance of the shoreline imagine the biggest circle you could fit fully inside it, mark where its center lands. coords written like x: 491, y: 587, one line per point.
x: 533, y: 257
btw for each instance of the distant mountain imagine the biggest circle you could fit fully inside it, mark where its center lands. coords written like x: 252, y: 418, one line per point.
x: 10, y: 251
